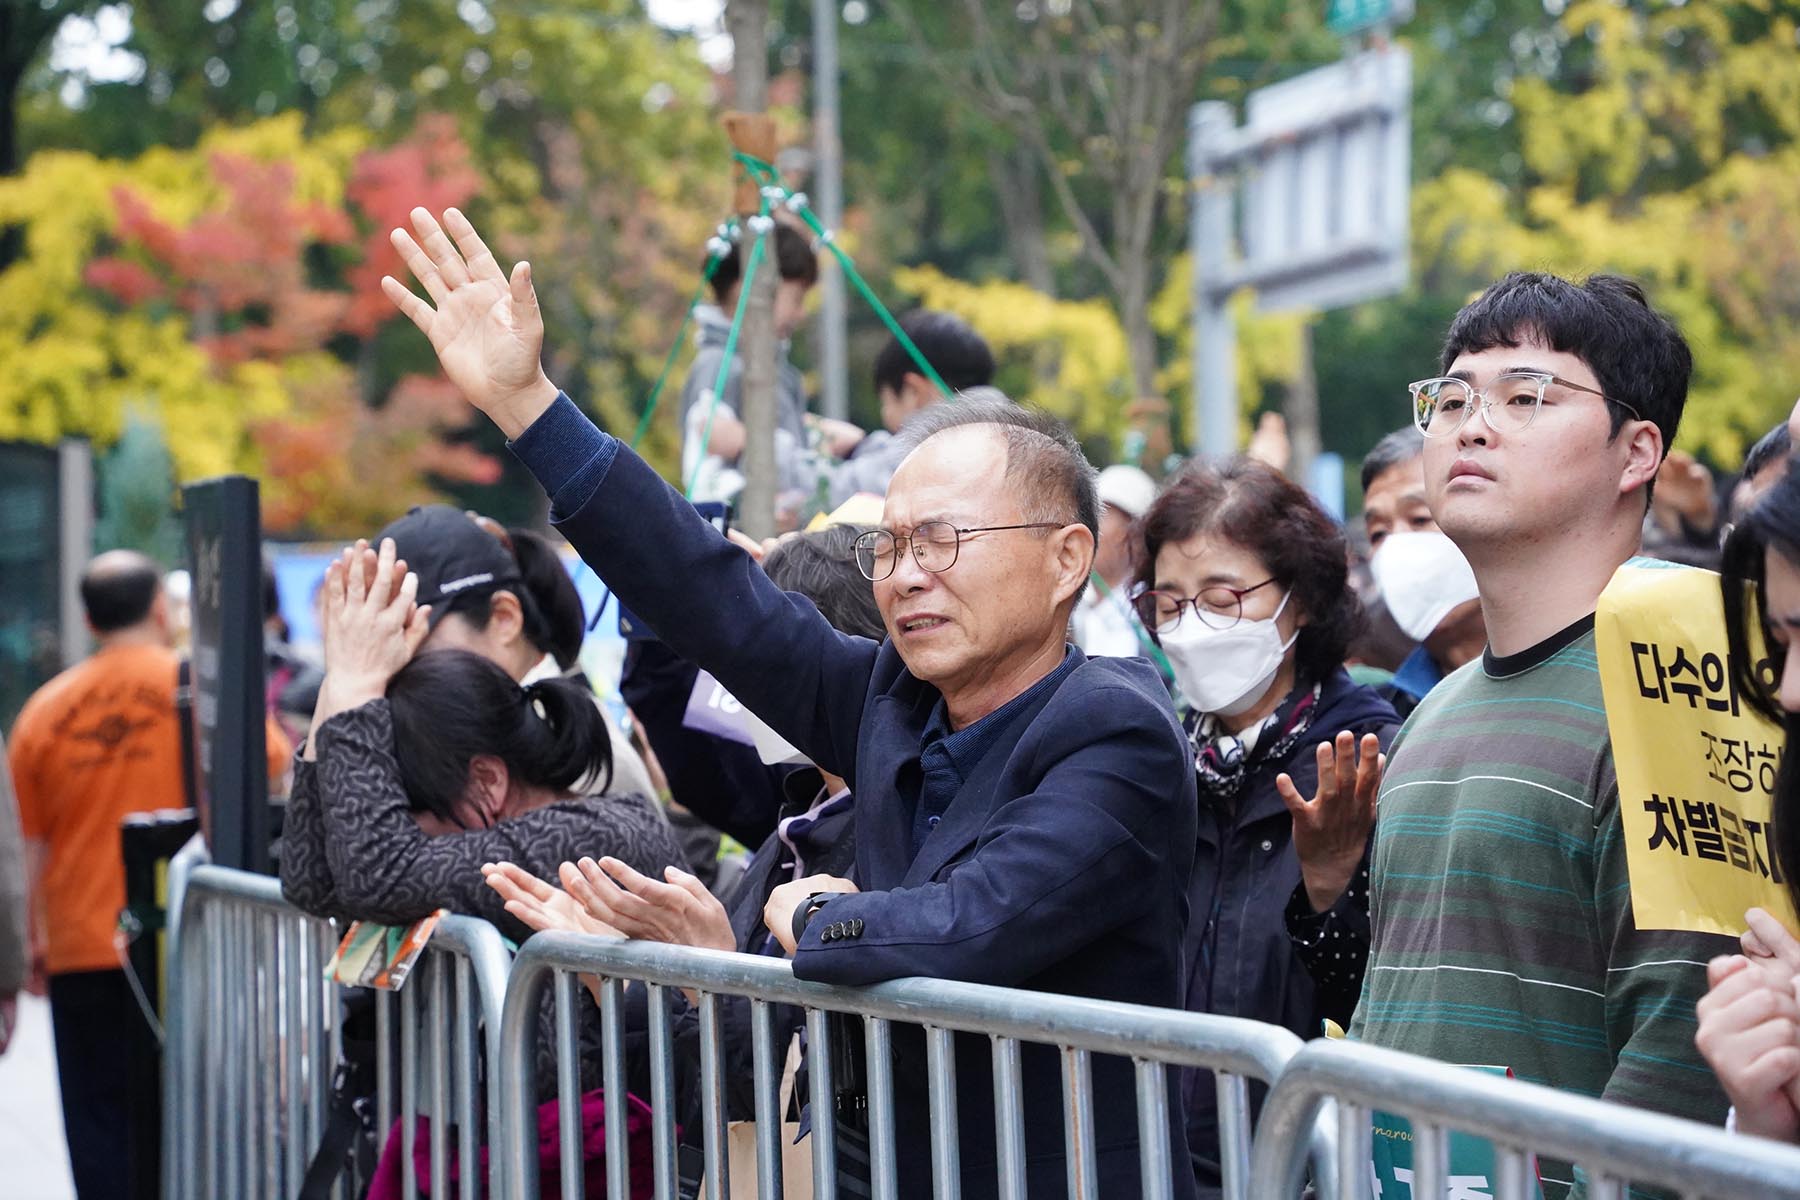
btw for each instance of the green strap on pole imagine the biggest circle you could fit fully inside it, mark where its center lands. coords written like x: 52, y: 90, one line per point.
x: 757, y: 253
x: 767, y: 176
x: 662, y: 380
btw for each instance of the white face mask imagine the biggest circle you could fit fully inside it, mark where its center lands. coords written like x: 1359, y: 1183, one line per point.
x: 1422, y: 577
x: 1224, y: 672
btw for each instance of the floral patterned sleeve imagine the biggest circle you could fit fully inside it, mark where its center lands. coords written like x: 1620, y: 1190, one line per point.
x: 1334, y: 944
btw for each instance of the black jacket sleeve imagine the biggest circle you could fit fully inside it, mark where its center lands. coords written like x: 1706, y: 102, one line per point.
x: 1334, y: 945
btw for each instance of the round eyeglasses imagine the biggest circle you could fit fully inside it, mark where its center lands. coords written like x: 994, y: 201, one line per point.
x: 935, y: 545
x: 1442, y: 406
x: 1217, y: 607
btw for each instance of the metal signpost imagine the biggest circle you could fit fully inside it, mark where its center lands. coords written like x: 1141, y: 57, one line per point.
x: 1307, y: 204
x: 224, y: 543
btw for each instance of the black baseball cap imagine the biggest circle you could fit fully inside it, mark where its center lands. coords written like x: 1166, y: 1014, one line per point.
x: 450, y: 554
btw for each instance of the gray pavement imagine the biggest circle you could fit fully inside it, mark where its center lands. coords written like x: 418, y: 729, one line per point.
x: 34, y: 1162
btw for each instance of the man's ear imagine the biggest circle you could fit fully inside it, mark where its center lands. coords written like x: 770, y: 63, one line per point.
x: 1072, y: 551
x: 486, y: 791
x: 1644, y: 453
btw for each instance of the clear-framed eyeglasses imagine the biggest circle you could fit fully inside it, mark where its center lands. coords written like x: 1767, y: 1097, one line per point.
x: 1442, y: 406
x: 1218, y: 607
x: 934, y: 544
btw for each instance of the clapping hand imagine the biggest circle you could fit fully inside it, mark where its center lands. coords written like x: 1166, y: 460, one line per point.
x: 485, y: 327
x: 543, y: 907
x: 540, y: 905
x: 1331, y: 831
x: 680, y: 912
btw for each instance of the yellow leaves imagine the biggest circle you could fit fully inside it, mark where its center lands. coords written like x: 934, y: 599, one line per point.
x: 1675, y: 161
x: 1076, y: 347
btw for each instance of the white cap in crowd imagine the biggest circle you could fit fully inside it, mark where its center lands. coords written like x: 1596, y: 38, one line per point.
x: 1127, y: 489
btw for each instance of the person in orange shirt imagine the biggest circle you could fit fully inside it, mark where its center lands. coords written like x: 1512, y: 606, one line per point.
x: 97, y: 743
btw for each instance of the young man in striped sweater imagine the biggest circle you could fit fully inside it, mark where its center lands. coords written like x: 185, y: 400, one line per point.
x: 1501, y: 903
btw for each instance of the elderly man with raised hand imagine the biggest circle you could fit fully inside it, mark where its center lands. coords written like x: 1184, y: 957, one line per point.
x: 1024, y: 816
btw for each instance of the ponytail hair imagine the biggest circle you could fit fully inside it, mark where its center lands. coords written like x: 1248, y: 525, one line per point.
x: 448, y: 706
x: 560, y: 624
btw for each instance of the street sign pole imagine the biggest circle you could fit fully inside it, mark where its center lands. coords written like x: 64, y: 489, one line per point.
x: 1214, y: 435
x: 1306, y: 204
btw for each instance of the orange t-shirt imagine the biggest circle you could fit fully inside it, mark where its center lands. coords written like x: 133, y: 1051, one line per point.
x: 92, y: 746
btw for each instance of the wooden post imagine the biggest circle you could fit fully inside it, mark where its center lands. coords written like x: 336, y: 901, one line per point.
x: 752, y: 131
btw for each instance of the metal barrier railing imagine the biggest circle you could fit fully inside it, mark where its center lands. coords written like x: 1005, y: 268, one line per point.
x: 1520, y: 1119
x: 1154, y: 1039
x: 255, y: 1036
x: 450, y: 1006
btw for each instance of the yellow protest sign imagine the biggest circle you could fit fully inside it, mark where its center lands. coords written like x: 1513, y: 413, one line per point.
x: 1696, y: 765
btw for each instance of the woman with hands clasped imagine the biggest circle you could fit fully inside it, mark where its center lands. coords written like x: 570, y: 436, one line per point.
x: 421, y: 767
x: 1750, y: 1018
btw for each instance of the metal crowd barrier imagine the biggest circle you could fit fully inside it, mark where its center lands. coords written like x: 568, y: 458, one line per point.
x: 255, y: 1035
x: 1153, y: 1038
x: 1615, y: 1146
x: 253, y: 1039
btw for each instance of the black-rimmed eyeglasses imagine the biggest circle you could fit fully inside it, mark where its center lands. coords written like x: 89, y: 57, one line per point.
x: 1442, y: 406
x: 935, y: 545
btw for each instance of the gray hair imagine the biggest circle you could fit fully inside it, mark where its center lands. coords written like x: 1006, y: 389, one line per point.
x: 1401, y: 446
x: 1045, y: 466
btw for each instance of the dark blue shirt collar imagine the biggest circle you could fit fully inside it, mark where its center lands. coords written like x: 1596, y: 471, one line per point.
x: 967, y: 746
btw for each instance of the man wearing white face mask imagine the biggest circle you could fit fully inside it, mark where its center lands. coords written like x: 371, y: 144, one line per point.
x: 1248, y: 595
x: 1424, y: 580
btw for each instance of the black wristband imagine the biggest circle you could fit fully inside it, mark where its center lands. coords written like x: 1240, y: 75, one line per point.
x: 805, y: 912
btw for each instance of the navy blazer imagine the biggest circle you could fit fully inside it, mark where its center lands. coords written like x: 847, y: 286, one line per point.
x: 1061, y: 866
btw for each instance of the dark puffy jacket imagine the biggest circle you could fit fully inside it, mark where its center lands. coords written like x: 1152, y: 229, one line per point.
x: 1241, y: 961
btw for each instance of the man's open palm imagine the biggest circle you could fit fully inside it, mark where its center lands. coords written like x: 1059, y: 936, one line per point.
x: 486, y: 329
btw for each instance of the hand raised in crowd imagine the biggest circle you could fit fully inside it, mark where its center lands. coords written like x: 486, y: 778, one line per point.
x: 1331, y: 831
x: 680, y: 912
x: 778, y: 913
x: 1684, y: 490
x: 372, y: 627
x: 486, y: 328
x: 1750, y: 1036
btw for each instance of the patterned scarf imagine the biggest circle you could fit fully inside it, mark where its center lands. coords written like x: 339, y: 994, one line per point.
x: 1221, y: 763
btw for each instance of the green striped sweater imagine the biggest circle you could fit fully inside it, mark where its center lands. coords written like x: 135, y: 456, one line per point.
x: 1501, y: 904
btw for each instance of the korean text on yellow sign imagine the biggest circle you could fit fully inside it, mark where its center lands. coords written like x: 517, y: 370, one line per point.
x: 1696, y: 765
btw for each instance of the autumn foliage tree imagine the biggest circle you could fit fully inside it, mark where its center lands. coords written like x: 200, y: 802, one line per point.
x: 232, y: 292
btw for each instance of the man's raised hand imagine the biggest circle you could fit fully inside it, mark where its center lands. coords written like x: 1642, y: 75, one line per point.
x: 1331, y: 831
x: 486, y: 328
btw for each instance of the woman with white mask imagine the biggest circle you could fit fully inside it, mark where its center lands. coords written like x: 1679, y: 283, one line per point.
x: 1245, y: 586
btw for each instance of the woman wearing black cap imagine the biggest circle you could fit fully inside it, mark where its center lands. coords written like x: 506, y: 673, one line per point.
x: 424, y: 766
x: 504, y: 594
